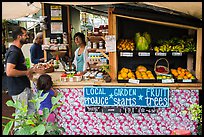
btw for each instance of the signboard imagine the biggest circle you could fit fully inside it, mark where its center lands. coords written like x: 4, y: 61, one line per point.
x: 119, y: 109
x: 126, y: 96
x: 56, y: 27
x: 110, y: 43
x: 56, y: 12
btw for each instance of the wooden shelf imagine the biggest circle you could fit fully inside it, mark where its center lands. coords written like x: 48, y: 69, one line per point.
x: 96, y: 38
x: 96, y: 50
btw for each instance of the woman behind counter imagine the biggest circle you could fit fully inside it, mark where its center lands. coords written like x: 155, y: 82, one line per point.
x: 36, y: 51
x: 80, y: 55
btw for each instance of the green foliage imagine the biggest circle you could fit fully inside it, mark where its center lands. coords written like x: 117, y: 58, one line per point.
x: 105, y: 68
x: 33, y: 124
x: 196, y: 111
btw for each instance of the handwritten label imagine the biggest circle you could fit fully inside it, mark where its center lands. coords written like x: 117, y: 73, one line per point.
x: 187, y: 80
x: 160, y: 54
x: 138, y: 110
x: 93, y: 109
x: 143, y: 53
x: 135, y: 81
x: 126, y: 54
x: 176, y: 54
x: 110, y: 43
x: 167, y: 80
x: 126, y: 96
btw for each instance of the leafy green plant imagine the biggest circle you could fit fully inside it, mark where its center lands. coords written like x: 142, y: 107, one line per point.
x: 105, y: 68
x: 35, y: 123
x: 196, y: 111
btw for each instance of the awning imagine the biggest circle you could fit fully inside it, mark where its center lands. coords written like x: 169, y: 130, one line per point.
x: 27, y: 19
x: 190, y: 8
x: 14, y: 10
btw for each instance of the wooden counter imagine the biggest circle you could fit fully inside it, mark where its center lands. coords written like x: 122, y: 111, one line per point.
x: 59, y: 84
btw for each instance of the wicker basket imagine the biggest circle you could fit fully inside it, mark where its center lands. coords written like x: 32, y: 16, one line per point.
x: 43, y: 71
x: 165, y: 67
x: 49, y: 70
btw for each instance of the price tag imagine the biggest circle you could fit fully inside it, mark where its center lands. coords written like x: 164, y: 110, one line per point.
x: 160, y: 54
x: 167, y: 80
x: 187, y: 80
x: 135, y: 81
x: 126, y: 54
x: 143, y: 53
x: 176, y: 54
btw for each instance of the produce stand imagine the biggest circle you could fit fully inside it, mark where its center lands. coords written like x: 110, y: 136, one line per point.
x: 97, y: 120
x: 76, y: 120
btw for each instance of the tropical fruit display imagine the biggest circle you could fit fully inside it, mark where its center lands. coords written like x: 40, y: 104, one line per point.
x: 125, y: 74
x: 181, y: 73
x: 176, y: 45
x: 125, y: 44
x: 143, y: 73
x: 142, y: 41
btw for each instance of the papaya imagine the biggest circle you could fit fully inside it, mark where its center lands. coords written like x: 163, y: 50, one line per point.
x: 147, y: 37
x: 137, y: 35
x: 142, y: 44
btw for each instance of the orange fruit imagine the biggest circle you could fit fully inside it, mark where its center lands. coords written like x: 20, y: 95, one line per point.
x: 187, y: 72
x: 148, y: 72
x: 124, y: 75
x: 130, y: 75
x: 137, y: 72
x: 175, y: 74
x: 173, y: 70
x: 179, y: 68
x: 182, y: 74
x: 126, y: 70
x: 185, y: 77
x: 189, y: 75
x: 179, y: 77
x: 120, y: 77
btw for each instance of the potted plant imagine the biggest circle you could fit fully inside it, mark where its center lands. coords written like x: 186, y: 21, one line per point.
x: 196, y: 111
x: 106, y: 70
x: 33, y: 124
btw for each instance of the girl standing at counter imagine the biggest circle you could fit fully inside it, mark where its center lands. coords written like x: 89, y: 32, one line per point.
x: 44, y: 83
x: 80, y: 55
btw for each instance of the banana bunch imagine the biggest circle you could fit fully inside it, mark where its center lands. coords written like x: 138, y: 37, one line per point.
x: 125, y: 44
x: 190, y: 47
x: 175, y: 45
x: 163, y: 48
x: 168, y: 48
x: 178, y: 48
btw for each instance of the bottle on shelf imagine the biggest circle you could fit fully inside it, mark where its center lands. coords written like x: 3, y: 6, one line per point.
x: 89, y: 44
x: 59, y: 39
x: 65, y: 38
x: 101, y: 45
x: 94, y: 45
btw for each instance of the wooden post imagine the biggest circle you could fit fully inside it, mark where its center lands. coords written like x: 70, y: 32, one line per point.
x: 44, y: 33
x: 69, y: 35
x: 112, y: 55
x: 198, y: 67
